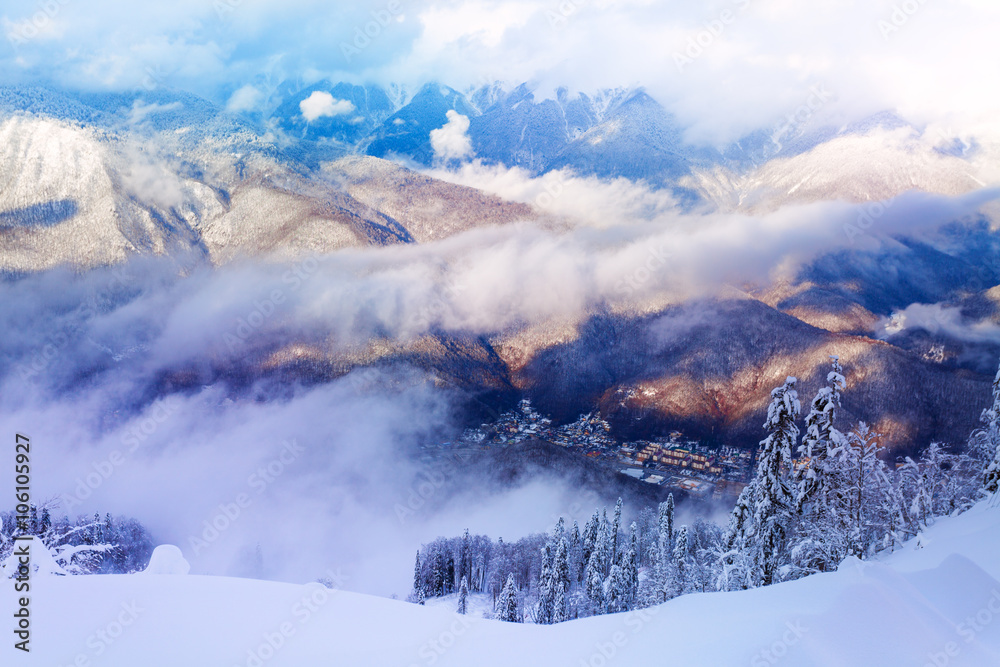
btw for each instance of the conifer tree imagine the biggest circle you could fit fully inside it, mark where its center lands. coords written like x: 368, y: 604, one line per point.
x: 760, y: 520
x: 821, y: 437
x: 463, y: 597
x: 615, y: 528
x: 559, y: 531
x: 667, y: 519
x: 418, y: 581
x: 680, y: 562
x: 560, y: 565
x: 615, y: 590
x: 664, y: 545
x: 560, y: 611
x: 990, y: 435
x: 576, y: 554
x: 507, y: 604
x: 590, y: 533
x: 630, y: 572
x: 546, y: 590
x: 595, y: 580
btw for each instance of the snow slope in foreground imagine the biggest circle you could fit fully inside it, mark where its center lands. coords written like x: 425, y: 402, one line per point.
x: 934, y: 605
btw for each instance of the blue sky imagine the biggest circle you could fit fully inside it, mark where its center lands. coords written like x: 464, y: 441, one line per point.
x: 722, y: 66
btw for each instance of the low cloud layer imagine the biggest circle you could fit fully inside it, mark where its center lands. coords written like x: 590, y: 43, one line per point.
x: 939, y: 320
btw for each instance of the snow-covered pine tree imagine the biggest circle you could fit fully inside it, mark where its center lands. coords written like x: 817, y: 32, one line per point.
x: 604, y: 543
x: 991, y: 476
x: 732, y: 562
x: 590, y: 532
x: 507, y: 603
x: 818, y: 544
x: 615, y: 528
x: 630, y: 571
x: 576, y: 554
x: 989, y: 436
x: 703, y: 543
x: 615, y: 590
x: 560, y: 611
x: 594, y: 578
x: 463, y: 566
x: 760, y: 538
x: 669, y: 515
x: 680, y: 563
x: 664, y: 545
x: 463, y: 597
x: 820, y: 438
x: 560, y: 565
x: 546, y: 589
x: 559, y: 531
x: 418, y: 581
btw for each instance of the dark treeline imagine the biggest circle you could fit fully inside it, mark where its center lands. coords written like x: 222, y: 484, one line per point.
x: 86, y: 545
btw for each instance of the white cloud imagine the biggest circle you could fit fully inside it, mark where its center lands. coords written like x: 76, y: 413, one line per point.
x: 585, y: 199
x: 247, y: 98
x: 452, y: 142
x: 939, y: 319
x: 140, y: 110
x: 321, y: 104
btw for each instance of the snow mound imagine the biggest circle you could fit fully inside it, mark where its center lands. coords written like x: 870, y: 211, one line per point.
x: 167, y: 559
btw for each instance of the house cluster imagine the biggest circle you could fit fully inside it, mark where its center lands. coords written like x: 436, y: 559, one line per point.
x: 684, y: 456
x: 590, y: 432
x: 517, y: 425
x: 671, y: 460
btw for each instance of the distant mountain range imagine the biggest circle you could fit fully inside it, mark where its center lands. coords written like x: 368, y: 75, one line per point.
x: 610, y: 133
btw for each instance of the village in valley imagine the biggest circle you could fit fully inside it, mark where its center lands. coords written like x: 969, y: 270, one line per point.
x: 672, y: 460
